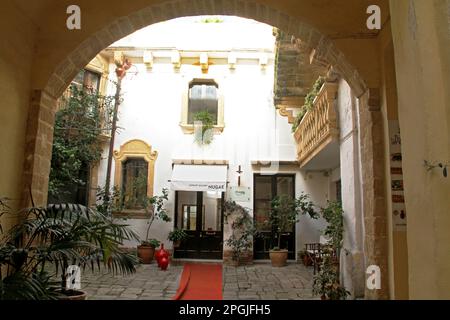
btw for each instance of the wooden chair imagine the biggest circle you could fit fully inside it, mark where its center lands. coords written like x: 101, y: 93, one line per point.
x: 316, y: 251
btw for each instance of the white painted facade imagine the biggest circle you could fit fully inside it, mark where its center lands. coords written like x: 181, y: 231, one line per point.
x: 253, y: 129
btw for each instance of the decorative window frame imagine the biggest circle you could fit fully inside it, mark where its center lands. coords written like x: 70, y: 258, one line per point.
x: 135, y: 149
x: 100, y: 66
x: 189, y: 128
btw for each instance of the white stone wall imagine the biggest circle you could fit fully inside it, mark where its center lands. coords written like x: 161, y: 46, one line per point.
x: 352, y: 258
x: 254, y: 130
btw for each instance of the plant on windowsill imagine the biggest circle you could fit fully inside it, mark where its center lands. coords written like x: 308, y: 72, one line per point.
x: 203, y: 127
x: 49, y: 239
x: 326, y: 282
x: 242, y: 230
x: 154, y: 209
x: 283, y: 215
x: 177, y: 236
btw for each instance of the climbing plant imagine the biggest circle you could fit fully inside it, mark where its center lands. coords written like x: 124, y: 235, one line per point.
x: 309, y: 102
x: 84, y: 115
x: 326, y: 282
x: 206, y: 134
x: 242, y: 229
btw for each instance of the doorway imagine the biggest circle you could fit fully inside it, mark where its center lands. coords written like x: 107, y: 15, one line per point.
x: 265, y: 189
x: 200, y: 215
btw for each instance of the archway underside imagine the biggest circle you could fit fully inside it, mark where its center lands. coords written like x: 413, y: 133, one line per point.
x: 39, y: 136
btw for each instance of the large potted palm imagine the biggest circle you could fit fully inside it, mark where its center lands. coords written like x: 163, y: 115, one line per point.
x: 283, y: 215
x: 49, y: 239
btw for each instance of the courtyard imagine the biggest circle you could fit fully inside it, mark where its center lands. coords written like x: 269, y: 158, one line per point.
x: 259, y: 281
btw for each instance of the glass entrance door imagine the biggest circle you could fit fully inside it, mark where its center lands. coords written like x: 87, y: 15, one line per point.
x: 200, y: 215
x: 265, y: 189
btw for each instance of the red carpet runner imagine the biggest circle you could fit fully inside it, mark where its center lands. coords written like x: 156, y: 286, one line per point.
x: 200, y: 282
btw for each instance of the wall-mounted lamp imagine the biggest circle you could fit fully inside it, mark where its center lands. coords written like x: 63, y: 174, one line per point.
x: 443, y: 166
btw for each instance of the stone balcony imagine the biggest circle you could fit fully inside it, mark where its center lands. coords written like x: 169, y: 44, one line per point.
x: 317, y: 135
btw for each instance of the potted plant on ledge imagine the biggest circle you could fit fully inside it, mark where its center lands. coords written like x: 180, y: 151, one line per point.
x: 177, y: 236
x: 154, y: 208
x: 283, y: 215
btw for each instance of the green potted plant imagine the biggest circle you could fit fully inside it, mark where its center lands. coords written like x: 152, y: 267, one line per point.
x: 49, y: 239
x: 154, y: 209
x: 176, y: 236
x: 283, y: 215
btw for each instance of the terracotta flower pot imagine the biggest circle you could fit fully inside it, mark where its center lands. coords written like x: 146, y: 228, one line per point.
x: 73, y: 295
x: 278, y: 257
x: 177, y: 244
x: 146, y: 253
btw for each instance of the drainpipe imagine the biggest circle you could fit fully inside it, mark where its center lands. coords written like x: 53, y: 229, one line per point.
x: 121, y: 71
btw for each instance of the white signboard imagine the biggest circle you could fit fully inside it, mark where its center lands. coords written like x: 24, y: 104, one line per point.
x: 240, y: 194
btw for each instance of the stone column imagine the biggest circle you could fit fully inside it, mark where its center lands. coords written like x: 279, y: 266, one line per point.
x: 373, y: 189
x: 421, y: 35
x: 38, y: 148
x: 352, y: 255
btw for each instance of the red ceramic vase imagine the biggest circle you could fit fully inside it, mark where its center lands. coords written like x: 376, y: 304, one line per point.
x: 160, y: 254
x: 164, y: 263
x: 157, y: 256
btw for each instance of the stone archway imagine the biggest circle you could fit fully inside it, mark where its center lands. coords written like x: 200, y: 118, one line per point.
x: 43, y: 106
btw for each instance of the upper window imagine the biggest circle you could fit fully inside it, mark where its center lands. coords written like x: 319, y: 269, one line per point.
x: 203, y: 97
x: 134, y: 183
x: 87, y: 80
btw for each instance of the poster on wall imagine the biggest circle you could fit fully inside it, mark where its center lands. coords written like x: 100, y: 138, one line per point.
x: 399, y: 216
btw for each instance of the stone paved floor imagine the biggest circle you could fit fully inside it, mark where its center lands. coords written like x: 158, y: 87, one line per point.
x: 258, y: 281
x: 148, y: 283
x: 263, y: 282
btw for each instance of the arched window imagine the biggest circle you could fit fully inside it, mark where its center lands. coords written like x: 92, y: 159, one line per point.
x: 134, y: 182
x: 134, y: 175
x: 203, y: 97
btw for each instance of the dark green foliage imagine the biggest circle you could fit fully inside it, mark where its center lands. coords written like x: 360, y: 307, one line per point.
x: 206, y: 135
x: 151, y: 242
x: 177, y: 235
x: 58, y: 236
x: 285, y: 211
x: 326, y: 281
x: 334, y: 216
x: 309, y: 102
x: 84, y: 115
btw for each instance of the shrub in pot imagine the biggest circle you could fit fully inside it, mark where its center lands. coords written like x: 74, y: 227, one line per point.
x: 283, y: 215
x: 146, y: 250
x: 177, y: 236
x: 154, y: 209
